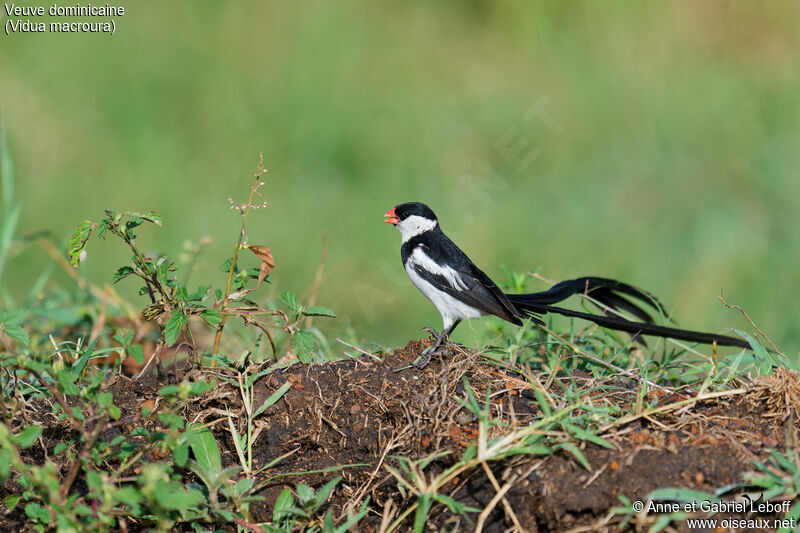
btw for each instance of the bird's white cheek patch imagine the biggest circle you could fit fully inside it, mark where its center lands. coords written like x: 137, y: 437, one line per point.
x: 414, y: 225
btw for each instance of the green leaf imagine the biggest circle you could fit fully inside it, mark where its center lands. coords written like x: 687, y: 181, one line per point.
x: 244, y: 486
x: 791, y: 517
x: 174, y: 326
x: 541, y: 399
x: 18, y: 334
x: 102, y: 228
x: 122, y: 273
x: 665, y: 520
x: 78, y: 241
x: 571, y: 448
x: 205, y: 450
x: 455, y: 506
x: 277, y: 395
x: 201, y: 387
x: 105, y: 399
x: 26, y: 437
x: 303, y: 344
x: 5, y: 465
x: 66, y: 380
x: 171, y: 497
x: 290, y: 299
x: 587, y: 435
x: 137, y: 218
x: 150, y: 217
x: 94, y: 480
x: 60, y: 447
x: 528, y: 450
x: 129, y: 496
x: 11, y: 501
x: 305, y: 493
x: 352, y: 519
x: 284, y: 507
x: 420, y: 517
x: 763, y: 360
x: 325, y: 491
x: 681, y: 495
x: 168, y: 390
x: 318, y: 310
x: 252, y: 378
x: 38, y: 513
x: 212, y: 316
x: 137, y: 352
x: 171, y: 419
x: 226, y: 266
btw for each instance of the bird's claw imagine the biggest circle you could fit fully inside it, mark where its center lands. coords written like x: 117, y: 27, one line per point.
x: 425, y: 359
x: 434, y: 349
x: 430, y: 331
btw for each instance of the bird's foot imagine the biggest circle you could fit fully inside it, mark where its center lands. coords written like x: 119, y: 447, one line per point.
x: 434, y: 349
x: 424, y: 360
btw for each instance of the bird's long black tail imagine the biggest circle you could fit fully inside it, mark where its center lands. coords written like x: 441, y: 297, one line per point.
x: 605, y: 292
x: 608, y: 292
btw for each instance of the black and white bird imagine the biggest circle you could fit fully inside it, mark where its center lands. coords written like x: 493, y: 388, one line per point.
x: 460, y: 290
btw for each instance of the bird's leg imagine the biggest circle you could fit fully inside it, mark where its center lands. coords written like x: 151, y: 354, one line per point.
x: 443, y: 337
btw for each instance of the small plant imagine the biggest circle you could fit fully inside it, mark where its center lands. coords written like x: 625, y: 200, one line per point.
x: 245, y: 382
x: 80, y: 401
x: 173, y: 304
x: 779, y: 478
x: 301, y: 510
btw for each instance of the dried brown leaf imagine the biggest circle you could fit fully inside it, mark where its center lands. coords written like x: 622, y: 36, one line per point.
x: 267, y: 261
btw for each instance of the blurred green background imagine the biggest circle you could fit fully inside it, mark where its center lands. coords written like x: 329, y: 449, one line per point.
x: 653, y: 142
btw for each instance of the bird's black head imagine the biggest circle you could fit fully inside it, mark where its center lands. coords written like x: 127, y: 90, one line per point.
x: 411, y: 218
x: 403, y: 211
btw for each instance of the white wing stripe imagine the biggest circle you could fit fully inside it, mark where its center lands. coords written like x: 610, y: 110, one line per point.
x: 421, y: 259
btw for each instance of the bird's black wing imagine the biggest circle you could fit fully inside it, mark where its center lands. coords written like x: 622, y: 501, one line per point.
x: 472, y: 286
x: 474, y: 291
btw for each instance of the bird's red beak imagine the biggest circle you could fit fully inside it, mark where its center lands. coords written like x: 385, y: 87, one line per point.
x: 390, y: 217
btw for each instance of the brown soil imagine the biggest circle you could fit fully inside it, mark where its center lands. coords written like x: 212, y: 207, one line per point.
x: 365, y: 412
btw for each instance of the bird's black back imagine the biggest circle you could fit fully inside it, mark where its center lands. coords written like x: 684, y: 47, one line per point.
x: 481, y: 292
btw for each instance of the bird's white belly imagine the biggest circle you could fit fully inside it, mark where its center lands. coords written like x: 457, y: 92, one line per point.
x: 449, y: 307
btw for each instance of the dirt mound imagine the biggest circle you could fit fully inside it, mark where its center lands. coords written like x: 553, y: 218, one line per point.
x: 358, y: 418
x: 370, y: 411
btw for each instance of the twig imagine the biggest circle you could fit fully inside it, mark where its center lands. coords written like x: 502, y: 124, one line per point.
x: 61, y: 401
x: 87, y: 447
x: 248, y: 525
x: 386, y: 518
x: 156, y: 353
x: 595, y: 475
x: 669, y: 407
x: 501, y: 496
x: 359, y: 350
x: 730, y: 306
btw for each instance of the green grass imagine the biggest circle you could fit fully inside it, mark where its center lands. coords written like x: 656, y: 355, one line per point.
x: 672, y: 164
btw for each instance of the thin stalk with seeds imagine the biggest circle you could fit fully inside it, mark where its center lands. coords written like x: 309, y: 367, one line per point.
x: 245, y: 210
